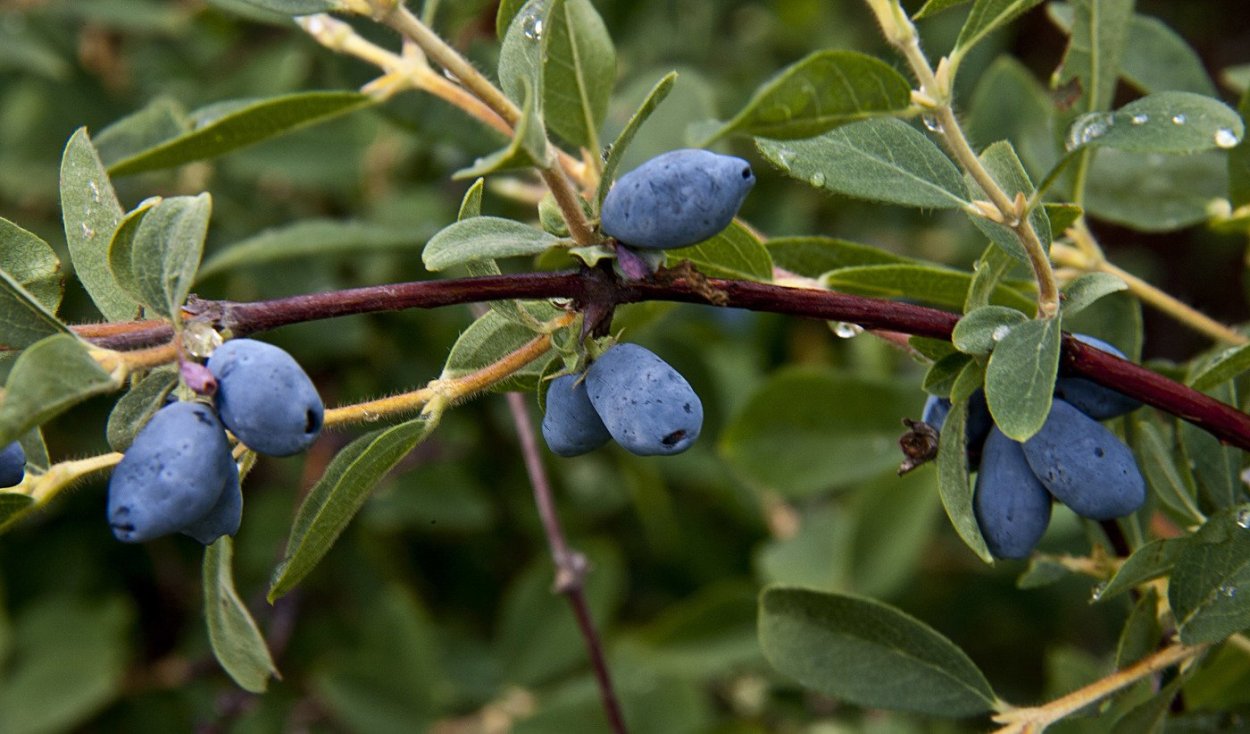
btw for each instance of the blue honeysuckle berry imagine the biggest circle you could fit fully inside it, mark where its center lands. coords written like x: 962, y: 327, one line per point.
x: 224, y: 517
x: 1085, y: 466
x: 265, y: 398
x: 645, y: 404
x: 571, y: 426
x: 173, y: 474
x: 676, y: 199
x: 12, y: 465
x: 1011, y: 506
x: 976, y: 426
x: 1092, y: 399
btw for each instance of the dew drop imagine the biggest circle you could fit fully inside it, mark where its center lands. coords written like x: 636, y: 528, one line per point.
x: 1179, y: 118
x: 1228, y: 591
x: 95, y: 190
x: 1095, y: 594
x: 817, y: 180
x: 533, y: 27
x: 847, y: 330
x: 1226, y: 138
x: 1140, y: 118
x: 87, y: 231
x: 1243, y: 519
x: 1088, y: 128
x: 369, y: 416
x: 1000, y: 332
x: 785, y: 158
x: 200, y: 339
x: 932, y: 124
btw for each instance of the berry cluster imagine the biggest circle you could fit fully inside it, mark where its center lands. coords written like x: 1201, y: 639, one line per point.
x: 1072, y: 459
x: 12, y: 465
x: 628, y: 395
x: 676, y: 199
x: 179, y: 474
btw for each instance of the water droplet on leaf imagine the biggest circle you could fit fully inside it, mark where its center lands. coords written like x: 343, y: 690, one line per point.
x: 1226, y: 138
x: 1140, y: 118
x: 847, y: 330
x: 1179, y: 118
x: 932, y: 124
x: 1088, y: 128
x: 1243, y: 519
x: 1000, y: 332
x: 1095, y: 594
x: 87, y: 231
x: 200, y: 339
x: 817, y: 180
x: 533, y: 27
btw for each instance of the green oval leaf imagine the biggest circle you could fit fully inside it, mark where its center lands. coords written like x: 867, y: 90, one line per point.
x: 1020, y: 377
x: 50, y: 377
x: 26, y: 263
x: 869, y: 654
x: 295, y: 7
x: 1099, y: 35
x: 880, y: 160
x: 985, y: 17
x: 121, y: 248
x: 1002, y: 163
x: 228, y: 126
x: 954, y: 486
x: 617, y: 150
x: 134, y: 408
x: 314, y: 238
x: 579, y: 68
x: 339, y: 495
x: 1154, y: 193
x: 927, y: 283
x: 814, y: 256
x: 483, y: 238
x: 526, y: 149
x: 236, y: 640
x: 1208, y: 588
x: 91, y: 213
x: 818, y: 93
x: 734, y: 253
x: 493, y: 336
x: 1165, y: 122
x: 166, y: 251
x: 1087, y: 289
x: 980, y: 330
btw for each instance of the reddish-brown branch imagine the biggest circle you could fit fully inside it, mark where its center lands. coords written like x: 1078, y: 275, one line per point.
x: 597, y: 286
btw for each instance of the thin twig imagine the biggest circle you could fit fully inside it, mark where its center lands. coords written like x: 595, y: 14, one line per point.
x: 570, y: 565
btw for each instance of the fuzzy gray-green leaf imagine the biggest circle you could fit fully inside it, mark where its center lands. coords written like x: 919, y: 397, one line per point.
x: 820, y: 92
x: 879, y: 160
x: 236, y: 640
x: 1164, y: 122
x: 48, y: 378
x: 1020, y: 377
x: 579, y: 68
x: 1208, y: 590
x: 166, y: 251
x: 484, y: 238
x: 868, y: 653
x: 733, y: 253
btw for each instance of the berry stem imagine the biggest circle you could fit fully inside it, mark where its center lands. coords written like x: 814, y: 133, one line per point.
x: 571, y: 565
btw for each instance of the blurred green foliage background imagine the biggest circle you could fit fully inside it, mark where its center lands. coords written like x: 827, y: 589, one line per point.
x: 434, y: 612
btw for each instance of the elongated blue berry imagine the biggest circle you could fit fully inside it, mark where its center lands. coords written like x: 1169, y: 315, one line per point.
x: 977, y: 425
x: 1084, y: 465
x: 645, y: 404
x: 172, y: 475
x: 224, y: 517
x: 676, y: 199
x: 571, y: 426
x: 12, y: 465
x: 265, y: 398
x: 1092, y: 399
x: 1011, y: 505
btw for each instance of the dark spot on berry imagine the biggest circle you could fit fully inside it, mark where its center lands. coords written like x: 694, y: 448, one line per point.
x: 673, y: 438
x: 1099, y: 452
x: 746, y: 173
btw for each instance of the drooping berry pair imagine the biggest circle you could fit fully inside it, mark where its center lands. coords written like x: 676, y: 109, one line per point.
x: 179, y: 474
x: 1072, y: 459
x: 629, y: 395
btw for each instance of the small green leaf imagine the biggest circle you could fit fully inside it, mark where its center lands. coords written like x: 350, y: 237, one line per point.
x: 296, y: 7
x: 954, y: 486
x: 1226, y: 365
x: 1002, y: 163
x: 134, y: 408
x: 526, y: 149
x: 1063, y: 216
x: 1208, y: 586
x: 121, y: 248
x: 1159, y: 466
x: 1020, y: 377
x: 880, y: 160
x: 617, y: 150
x: 1165, y: 122
x: 579, y: 68
x: 941, y: 376
x: 314, y: 238
x: 979, y: 331
x: 1088, y: 288
x: 990, y: 270
x: 51, y: 376
x: 938, y: 286
x: 520, y: 53
x: 228, y: 126
x: 484, y: 238
x: 32, y: 263
x: 162, y: 119
x: 495, y: 335
x: 734, y: 253
x: 471, y: 204
x: 985, y: 17
x: 813, y: 256
x: 236, y: 640
x: 806, y: 431
x: 91, y: 214
x: 869, y: 654
x: 818, y: 93
x: 1215, y: 465
x: 166, y: 251
x: 23, y: 319
x: 508, y: 10
x: 1148, y: 562
x: 338, y: 496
